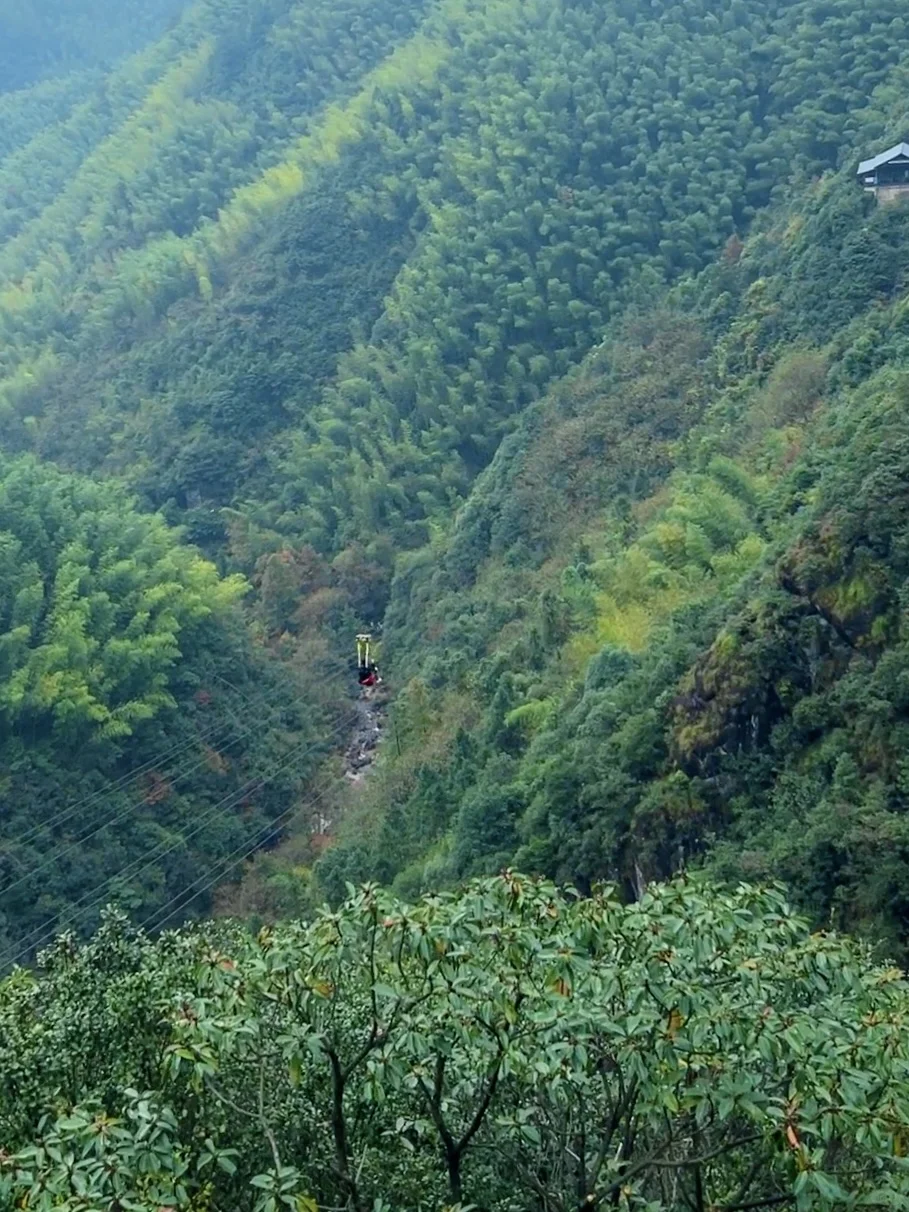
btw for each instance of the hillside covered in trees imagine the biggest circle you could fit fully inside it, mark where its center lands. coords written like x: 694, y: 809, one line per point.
x: 668, y: 627
x: 63, y: 45
x: 555, y: 337
x: 555, y: 342
x: 144, y: 735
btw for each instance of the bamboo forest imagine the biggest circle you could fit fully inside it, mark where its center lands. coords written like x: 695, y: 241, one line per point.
x: 454, y: 605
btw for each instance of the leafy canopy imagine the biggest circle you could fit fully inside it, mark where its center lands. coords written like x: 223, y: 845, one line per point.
x: 98, y: 603
x: 507, y: 1046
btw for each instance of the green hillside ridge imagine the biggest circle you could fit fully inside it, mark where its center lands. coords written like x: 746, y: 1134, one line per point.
x: 544, y: 158
x: 555, y: 342
x: 56, y: 40
x: 559, y: 332
x: 669, y: 625
x: 132, y: 695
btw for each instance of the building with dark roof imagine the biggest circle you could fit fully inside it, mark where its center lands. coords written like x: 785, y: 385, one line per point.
x: 887, y: 175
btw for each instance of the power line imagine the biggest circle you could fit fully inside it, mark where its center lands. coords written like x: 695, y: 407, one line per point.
x: 56, y: 855
x: 108, y: 791
x: 89, y: 901
x: 244, y: 851
x: 100, y: 892
x: 139, y: 865
x: 224, y: 865
x: 55, y: 821
x: 123, y: 813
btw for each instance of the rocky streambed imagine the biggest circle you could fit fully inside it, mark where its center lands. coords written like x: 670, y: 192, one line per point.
x: 368, y: 732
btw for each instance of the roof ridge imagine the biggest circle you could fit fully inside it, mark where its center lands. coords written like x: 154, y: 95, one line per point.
x: 891, y: 153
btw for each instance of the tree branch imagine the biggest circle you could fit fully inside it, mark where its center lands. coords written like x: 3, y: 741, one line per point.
x: 767, y: 1202
x: 339, y: 1130
x: 491, y: 1084
x: 655, y: 1162
x: 263, y: 1119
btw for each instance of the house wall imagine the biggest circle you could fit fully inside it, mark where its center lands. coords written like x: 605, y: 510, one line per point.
x: 893, y: 174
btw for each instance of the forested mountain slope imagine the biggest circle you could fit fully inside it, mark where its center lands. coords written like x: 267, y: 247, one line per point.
x: 44, y: 39
x: 295, y: 271
x: 669, y: 625
x: 144, y: 736
x: 557, y: 337
x: 499, y: 180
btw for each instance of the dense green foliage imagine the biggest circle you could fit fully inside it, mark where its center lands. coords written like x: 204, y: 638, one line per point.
x: 515, y: 172
x: 670, y: 624
x: 128, y: 762
x: 95, y: 607
x: 556, y: 338
x: 52, y: 38
x: 556, y: 334
x: 506, y: 1048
